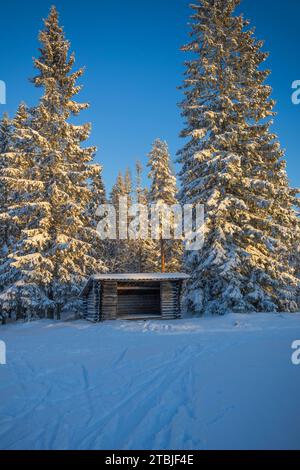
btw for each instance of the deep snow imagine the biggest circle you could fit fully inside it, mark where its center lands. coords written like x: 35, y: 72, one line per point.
x: 212, y: 383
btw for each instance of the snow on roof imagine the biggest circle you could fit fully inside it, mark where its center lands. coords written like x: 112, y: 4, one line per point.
x: 141, y: 277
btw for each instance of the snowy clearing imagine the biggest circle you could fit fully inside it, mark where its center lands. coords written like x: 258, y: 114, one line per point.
x: 212, y: 383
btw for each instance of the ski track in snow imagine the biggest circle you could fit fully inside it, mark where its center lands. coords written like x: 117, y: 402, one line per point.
x: 211, y: 383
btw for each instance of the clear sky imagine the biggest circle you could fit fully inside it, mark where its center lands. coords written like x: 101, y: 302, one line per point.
x: 133, y: 67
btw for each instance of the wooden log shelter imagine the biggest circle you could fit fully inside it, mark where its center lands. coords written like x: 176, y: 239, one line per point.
x: 133, y: 296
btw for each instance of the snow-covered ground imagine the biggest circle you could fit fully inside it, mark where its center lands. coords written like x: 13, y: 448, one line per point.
x: 212, y: 383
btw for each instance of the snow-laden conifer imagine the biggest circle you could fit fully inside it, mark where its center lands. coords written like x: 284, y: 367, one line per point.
x: 128, y: 186
x: 21, y: 295
x: 5, y: 145
x: 144, y: 246
x: 163, y: 192
x: 57, y: 250
x: 232, y: 163
x: 119, y: 253
x: 98, y: 195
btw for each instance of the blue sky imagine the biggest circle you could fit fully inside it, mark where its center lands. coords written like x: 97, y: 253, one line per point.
x: 133, y: 67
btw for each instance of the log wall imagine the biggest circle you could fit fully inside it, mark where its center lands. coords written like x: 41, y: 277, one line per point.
x: 92, y: 302
x: 104, y: 302
x: 109, y: 303
x: 170, y: 299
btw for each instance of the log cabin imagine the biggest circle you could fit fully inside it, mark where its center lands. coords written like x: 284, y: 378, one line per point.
x: 135, y: 296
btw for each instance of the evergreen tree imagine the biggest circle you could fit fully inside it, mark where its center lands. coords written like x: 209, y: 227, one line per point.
x: 141, y: 193
x: 233, y: 164
x: 98, y: 187
x: 133, y: 251
x: 5, y: 146
x: 21, y: 184
x: 98, y: 194
x: 118, y: 248
x: 295, y: 258
x: 163, y: 191
x: 144, y: 247
x: 128, y: 186
x: 123, y: 252
x: 118, y: 191
x: 57, y: 250
x: 5, y: 133
x: 98, y: 199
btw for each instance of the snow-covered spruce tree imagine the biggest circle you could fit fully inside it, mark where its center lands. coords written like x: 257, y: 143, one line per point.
x: 163, y: 191
x: 98, y: 199
x: 21, y: 185
x: 98, y: 194
x: 144, y: 247
x: 5, y: 134
x: 233, y: 164
x: 5, y: 145
x: 141, y: 193
x: 128, y: 186
x: 132, y: 259
x: 295, y: 258
x: 118, y: 190
x: 118, y: 248
x: 123, y: 251
x: 98, y: 187
x: 57, y: 251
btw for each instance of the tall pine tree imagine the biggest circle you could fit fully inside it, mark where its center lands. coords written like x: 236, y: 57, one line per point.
x: 141, y: 193
x: 144, y: 247
x: 163, y: 191
x: 233, y: 164
x: 5, y: 145
x: 21, y: 185
x: 120, y: 257
x: 128, y: 186
x: 57, y: 250
x: 98, y: 195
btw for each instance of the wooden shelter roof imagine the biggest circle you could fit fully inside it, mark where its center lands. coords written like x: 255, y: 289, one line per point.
x: 136, y: 277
